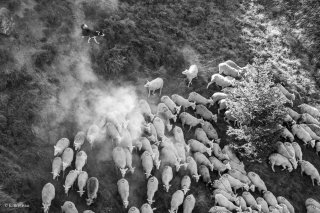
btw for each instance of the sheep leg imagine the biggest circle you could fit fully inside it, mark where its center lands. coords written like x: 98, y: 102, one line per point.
x: 189, y: 128
x: 94, y: 38
x: 149, y: 93
x: 160, y: 90
x: 89, y: 40
x: 272, y: 167
x: 312, y: 181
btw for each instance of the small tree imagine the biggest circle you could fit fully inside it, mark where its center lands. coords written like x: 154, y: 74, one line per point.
x: 258, y: 106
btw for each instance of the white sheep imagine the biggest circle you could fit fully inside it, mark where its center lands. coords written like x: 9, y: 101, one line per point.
x: 92, y: 190
x: 293, y: 114
x: 79, y: 140
x: 134, y: 209
x: 311, y: 201
x: 176, y: 201
x: 154, y: 85
x: 286, y: 134
x: 219, y: 209
x: 196, y: 146
x: 166, y: 177
x: 192, y: 168
x: 222, y: 105
x: 56, y: 167
x: 165, y: 112
x: 129, y: 160
x: 283, y: 200
x: 67, y: 158
x: 181, y: 101
x: 68, y: 207
x: 305, y: 108
x: 230, y: 152
x: 205, y: 174
x: 257, y: 181
x: 145, y: 109
x: 201, y: 159
x: 284, y: 91
x: 309, y: 169
x: 119, y: 159
x: 61, y: 145
x: 82, y: 181
x: 263, y: 204
x: 302, y: 134
x: 170, y: 104
x: 229, y: 196
x: 146, y: 208
x: 270, y: 199
x: 218, y: 165
x: 189, y: 203
x: 93, y: 134
x: 292, y: 153
x: 159, y: 127
x: 297, y: 150
x: 218, y: 153
x: 236, y: 166
x: 81, y: 160
x: 185, y: 184
x: 144, y: 144
x: 48, y: 193
x: 313, y: 135
x: 201, y: 136
x: 199, y: 99
x: 225, y: 68
x: 247, y: 196
x: 235, y: 183
x: 205, y: 113
x: 223, y: 201
x: 113, y: 132
x: 152, y: 188
x: 147, y: 163
x: 191, y: 73
x: 181, y: 153
x: 190, y: 120
x: 123, y: 189
x: 226, y: 184
x: 179, y: 137
x: 217, y: 96
x: 210, y: 131
x: 126, y: 139
x: 313, y: 209
x: 318, y: 147
x: 281, y: 149
x: 315, y: 128
x: 240, y: 176
x: 220, y: 81
x: 308, y: 119
x: 169, y: 157
x: 156, y: 160
x: 242, y: 203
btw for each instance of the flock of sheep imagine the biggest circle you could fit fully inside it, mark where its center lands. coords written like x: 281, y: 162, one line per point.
x: 162, y: 146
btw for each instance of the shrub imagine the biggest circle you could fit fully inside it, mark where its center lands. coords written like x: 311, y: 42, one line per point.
x: 44, y: 57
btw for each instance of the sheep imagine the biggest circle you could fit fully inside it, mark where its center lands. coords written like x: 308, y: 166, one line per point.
x: 179, y: 137
x: 146, y: 208
x: 281, y: 149
x: 305, y: 108
x: 228, y: 70
x: 205, y: 113
x: 190, y: 120
x: 226, y: 184
x: 156, y: 160
x: 231, y: 155
x: 311, y: 201
x: 60, y: 146
x: 220, y: 81
x: 293, y: 114
x: 242, y: 203
x: 82, y: 181
x: 144, y: 144
x: 219, y: 209
x: 126, y: 140
x: 129, y: 160
x: 56, y: 167
x: 222, y: 105
x: 170, y: 147
x: 48, y: 193
x: 218, y: 152
x: 264, y: 205
x: 237, y: 166
x: 189, y: 203
x: 240, y: 176
x: 234, y: 65
x: 145, y: 109
x: 218, y: 165
x: 154, y: 85
x: 309, y: 169
x: 210, y: 131
x: 222, y: 191
x: 217, y: 96
x: 79, y: 140
x: 283, y: 200
x: 123, y: 189
x: 315, y: 128
x: 302, y: 134
x: 291, y: 152
x: 201, y: 136
x: 169, y: 155
x: 285, y: 92
x: 235, y: 183
x: 181, y: 101
x: 308, y: 119
x: 81, y: 160
x: 92, y: 189
x: 113, y: 133
x: 159, y: 126
x: 273, y: 209
x: 67, y: 158
x: 199, y: 99
x: 134, y: 209
x: 119, y: 159
x: 181, y: 153
x: 185, y: 184
x: 297, y: 151
x: 270, y: 199
x: 93, y: 134
x: 176, y: 201
x: 153, y: 135
x: 191, y: 73
x: 170, y: 104
x: 223, y: 201
x: 70, y: 179
x: 313, y: 135
x: 202, y: 159
x: 313, y: 209
x: 147, y: 163
x: 257, y: 181
x: 281, y: 97
x: 318, y: 147
x: 286, y: 134
x: 205, y: 174
x: 68, y: 207
x: 166, y: 177
x: 196, y: 146
x: 162, y: 109
x: 192, y: 168
x: 88, y: 211
x: 247, y: 196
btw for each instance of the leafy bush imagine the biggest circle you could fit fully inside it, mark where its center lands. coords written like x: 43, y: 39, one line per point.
x: 44, y: 57
x: 257, y: 107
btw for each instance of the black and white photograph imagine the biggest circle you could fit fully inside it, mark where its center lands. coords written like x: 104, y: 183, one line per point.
x: 155, y: 106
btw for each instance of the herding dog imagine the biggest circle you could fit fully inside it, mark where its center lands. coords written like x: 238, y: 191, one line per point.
x: 90, y: 33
